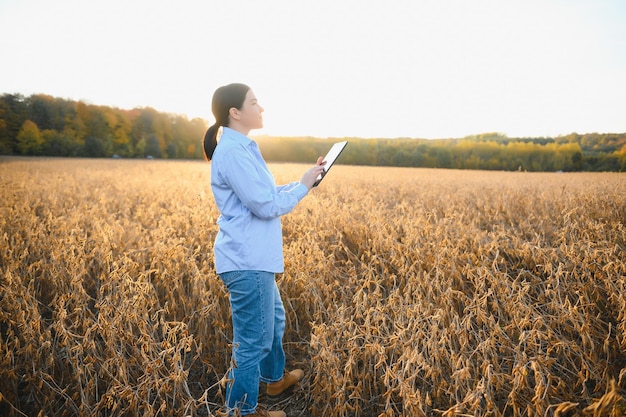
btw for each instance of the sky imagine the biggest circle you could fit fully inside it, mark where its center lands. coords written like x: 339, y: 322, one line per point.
x: 334, y: 68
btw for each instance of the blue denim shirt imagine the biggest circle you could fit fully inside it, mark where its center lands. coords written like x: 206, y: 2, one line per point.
x: 250, y: 204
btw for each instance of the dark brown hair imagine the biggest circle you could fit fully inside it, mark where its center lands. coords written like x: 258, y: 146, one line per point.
x: 224, y: 99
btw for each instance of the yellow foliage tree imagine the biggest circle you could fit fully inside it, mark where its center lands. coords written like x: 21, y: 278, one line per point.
x: 29, y: 140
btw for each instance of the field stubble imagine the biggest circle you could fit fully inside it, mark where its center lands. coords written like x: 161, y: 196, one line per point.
x: 408, y: 291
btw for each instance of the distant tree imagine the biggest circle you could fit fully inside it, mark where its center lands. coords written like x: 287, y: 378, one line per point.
x: 621, y: 156
x: 577, y: 161
x: 140, y: 148
x: 39, y: 111
x: 171, y: 150
x: 153, y: 148
x: 58, y: 144
x: 15, y: 113
x: 118, y: 128
x: 29, y: 140
x: 194, y: 136
x: 5, y: 145
x: 191, y: 150
x: 94, y: 147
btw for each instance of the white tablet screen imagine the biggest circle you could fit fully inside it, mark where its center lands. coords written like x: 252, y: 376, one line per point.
x: 330, y: 158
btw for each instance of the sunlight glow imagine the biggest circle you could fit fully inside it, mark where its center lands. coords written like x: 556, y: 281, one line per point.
x: 325, y: 68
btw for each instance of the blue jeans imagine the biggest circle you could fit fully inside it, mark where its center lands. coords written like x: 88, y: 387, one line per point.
x: 258, y: 328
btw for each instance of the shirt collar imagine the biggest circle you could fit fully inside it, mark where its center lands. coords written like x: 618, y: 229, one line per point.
x: 231, y: 134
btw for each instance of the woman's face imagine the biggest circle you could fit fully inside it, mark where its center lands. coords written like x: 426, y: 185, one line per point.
x: 250, y: 116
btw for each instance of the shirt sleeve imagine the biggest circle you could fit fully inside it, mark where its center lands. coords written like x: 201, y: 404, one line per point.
x: 254, y: 185
x: 288, y: 187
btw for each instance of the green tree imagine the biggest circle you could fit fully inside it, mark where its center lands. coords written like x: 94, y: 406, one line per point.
x: 14, y: 115
x: 5, y: 147
x: 94, y: 147
x: 153, y: 148
x: 39, y: 111
x: 57, y: 143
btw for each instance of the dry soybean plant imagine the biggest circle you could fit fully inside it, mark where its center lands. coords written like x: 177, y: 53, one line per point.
x: 468, y: 293
x: 108, y: 304
x: 409, y: 291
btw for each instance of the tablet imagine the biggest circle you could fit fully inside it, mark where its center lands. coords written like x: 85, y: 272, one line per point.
x: 330, y: 159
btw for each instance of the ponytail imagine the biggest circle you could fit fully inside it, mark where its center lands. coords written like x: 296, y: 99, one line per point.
x: 210, y: 141
x: 224, y: 98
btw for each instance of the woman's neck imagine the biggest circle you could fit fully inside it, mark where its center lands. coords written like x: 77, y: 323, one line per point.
x: 239, y: 128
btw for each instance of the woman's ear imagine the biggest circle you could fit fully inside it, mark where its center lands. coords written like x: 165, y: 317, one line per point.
x: 234, y: 113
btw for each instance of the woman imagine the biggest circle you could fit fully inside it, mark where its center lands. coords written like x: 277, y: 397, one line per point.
x: 248, y: 247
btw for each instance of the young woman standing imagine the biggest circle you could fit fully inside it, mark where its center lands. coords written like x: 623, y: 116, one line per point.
x: 248, y: 247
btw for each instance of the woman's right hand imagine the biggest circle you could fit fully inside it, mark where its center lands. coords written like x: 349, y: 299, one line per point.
x: 310, y: 176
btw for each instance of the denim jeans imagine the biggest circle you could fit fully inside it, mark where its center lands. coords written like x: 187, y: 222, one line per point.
x: 258, y: 327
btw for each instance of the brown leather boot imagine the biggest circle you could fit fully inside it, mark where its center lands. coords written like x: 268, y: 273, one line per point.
x: 276, y: 389
x: 261, y: 412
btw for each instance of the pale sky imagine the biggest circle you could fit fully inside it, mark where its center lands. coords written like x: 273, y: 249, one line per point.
x: 334, y: 68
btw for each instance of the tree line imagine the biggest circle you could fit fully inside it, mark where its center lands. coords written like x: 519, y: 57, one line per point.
x: 490, y: 151
x: 41, y: 125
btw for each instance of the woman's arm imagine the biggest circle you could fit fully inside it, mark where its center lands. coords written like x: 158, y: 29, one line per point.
x: 248, y: 178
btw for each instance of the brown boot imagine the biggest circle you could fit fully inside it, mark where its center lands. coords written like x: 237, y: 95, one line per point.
x: 261, y: 412
x: 276, y: 389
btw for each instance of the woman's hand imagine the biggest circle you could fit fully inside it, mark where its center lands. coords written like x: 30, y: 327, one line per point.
x: 310, y: 176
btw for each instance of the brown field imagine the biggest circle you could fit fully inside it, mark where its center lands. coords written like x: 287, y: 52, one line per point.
x: 409, y: 292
